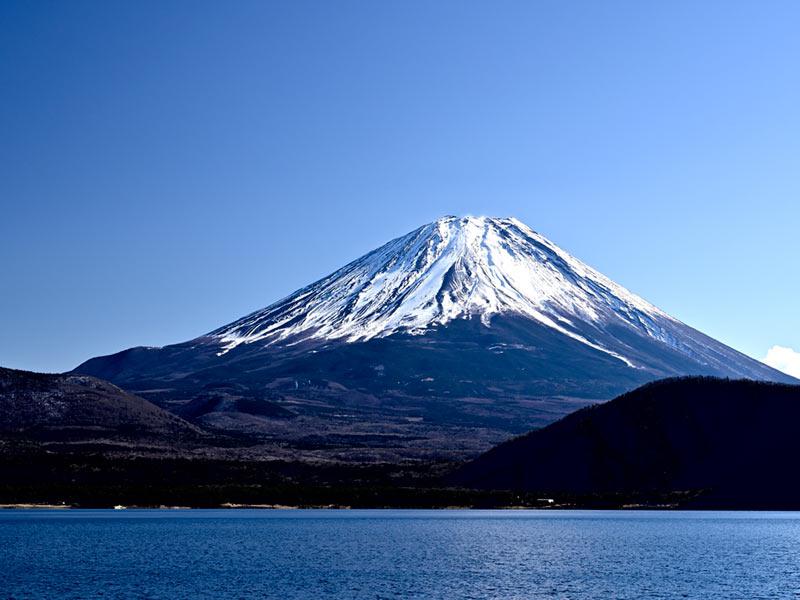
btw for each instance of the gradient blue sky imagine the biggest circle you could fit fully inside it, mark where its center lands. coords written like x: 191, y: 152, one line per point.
x: 166, y: 167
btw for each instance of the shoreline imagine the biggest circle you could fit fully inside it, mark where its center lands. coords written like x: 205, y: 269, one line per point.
x: 28, y: 506
x: 34, y: 506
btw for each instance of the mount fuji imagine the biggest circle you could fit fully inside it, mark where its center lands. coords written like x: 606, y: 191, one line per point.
x: 438, y: 344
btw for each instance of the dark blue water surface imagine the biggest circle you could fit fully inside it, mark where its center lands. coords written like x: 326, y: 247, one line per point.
x: 173, y: 554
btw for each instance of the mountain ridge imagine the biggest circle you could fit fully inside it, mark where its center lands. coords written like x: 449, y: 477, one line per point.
x: 64, y: 410
x: 472, y: 327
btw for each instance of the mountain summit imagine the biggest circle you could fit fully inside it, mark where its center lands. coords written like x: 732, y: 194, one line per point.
x: 468, y: 327
x: 465, y: 268
x: 449, y: 269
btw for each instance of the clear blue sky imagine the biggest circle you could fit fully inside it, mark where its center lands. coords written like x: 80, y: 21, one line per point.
x: 166, y: 167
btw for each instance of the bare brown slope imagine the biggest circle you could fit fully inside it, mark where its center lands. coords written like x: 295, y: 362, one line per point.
x: 78, y: 409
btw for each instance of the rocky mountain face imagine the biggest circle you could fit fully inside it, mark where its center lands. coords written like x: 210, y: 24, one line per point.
x: 436, y: 345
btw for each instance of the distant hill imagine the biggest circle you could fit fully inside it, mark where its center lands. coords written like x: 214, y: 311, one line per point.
x: 734, y: 443
x: 79, y: 410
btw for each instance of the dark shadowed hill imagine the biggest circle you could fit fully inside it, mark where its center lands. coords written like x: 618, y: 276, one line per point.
x: 736, y: 443
x: 76, y: 409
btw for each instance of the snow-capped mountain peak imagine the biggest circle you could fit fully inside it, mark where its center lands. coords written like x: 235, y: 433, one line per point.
x: 453, y: 268
x: 446, y: 340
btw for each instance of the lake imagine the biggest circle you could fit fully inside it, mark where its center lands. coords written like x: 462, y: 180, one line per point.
x: 175, y: 554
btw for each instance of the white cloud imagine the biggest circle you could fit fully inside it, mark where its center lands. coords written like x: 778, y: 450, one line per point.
x: 784, y: 359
